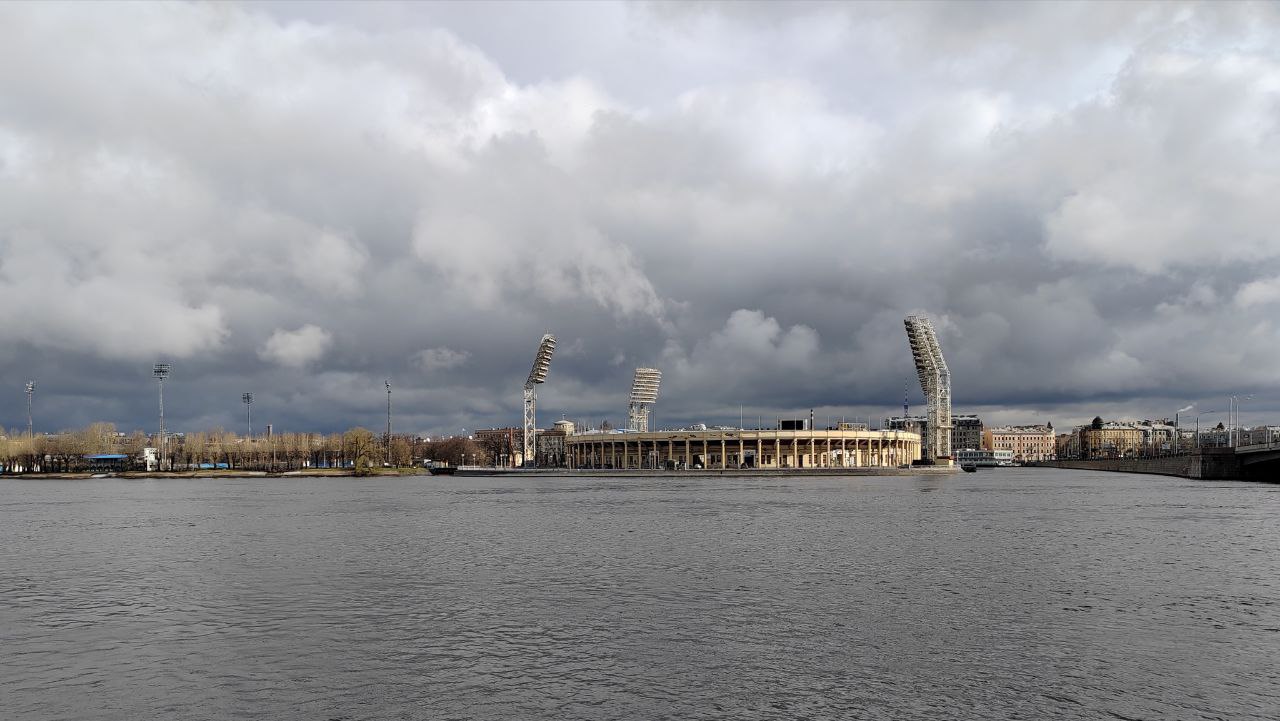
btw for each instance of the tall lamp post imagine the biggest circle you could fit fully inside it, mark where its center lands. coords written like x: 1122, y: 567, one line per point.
x: 388, y: 382
x: 1233, y: 419
x: 1201, y: 413
x: 247, y: 398
x: 161, y: 371
x: 31, y: 390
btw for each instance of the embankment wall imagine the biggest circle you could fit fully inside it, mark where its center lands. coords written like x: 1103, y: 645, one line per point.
x: 1206, y: 466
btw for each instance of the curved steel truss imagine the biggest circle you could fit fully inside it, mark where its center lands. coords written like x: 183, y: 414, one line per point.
x: 935, y: 382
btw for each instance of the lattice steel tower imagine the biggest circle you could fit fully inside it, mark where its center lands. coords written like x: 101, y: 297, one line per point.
x: 247, y: 399
x: 161, y: 371
x: 541, y: 364
x: 31, y: 390
x: 644, y: 393
x: 935, y: 382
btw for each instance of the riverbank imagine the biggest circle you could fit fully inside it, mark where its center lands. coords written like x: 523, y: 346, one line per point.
x: 705, y: 472
x: 225, y: 473
x: 510, y: 472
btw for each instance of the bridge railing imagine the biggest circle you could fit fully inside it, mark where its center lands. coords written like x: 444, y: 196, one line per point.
x: 1256, y: 447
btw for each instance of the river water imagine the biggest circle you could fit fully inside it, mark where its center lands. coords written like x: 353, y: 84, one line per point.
x: 1019, y: 593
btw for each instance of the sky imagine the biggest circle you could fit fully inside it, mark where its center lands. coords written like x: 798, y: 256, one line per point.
x: 303, y: 200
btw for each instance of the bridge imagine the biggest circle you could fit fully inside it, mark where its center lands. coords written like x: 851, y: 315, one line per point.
x: 1257, y: 462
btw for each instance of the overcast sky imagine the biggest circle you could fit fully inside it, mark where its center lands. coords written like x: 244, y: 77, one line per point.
x: 302, y: 200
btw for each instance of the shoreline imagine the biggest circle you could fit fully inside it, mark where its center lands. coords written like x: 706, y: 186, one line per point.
x: 477, y: 472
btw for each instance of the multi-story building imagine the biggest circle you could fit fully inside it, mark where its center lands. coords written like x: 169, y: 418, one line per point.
x: 1259, y: 434
x: 504, y: 446
x: 966, y: 433
x: 1028, y: 443
x: 911, y: 424
x: 1214, y: 437
x: 551, y: 448
x: 1110, y: 440
x: 1158, y: 437
x: 1067, y: 445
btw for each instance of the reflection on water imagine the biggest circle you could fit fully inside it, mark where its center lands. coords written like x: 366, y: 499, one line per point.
x: 1003, y: 594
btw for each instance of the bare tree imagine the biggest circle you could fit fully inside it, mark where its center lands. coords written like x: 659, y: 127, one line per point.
x: 361, y: 446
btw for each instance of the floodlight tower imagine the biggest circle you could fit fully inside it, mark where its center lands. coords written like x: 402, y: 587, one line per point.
x: 161, y: 371
x: 935, y: 382
x: 31, y: 390
x: 248, y: 412
x: 541, y: 364
x: 644, y: 393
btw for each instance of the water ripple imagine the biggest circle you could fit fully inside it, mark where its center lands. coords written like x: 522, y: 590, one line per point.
x: 1016, y: 594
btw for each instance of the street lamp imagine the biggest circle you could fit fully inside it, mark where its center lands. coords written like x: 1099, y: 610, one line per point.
x: 388, y: 382
x: 161, y: 371
x: 1233, y: 419
x: 247, y: 398
x: 1201, y: 413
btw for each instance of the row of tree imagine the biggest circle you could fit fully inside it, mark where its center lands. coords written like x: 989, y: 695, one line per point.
x: 358, y: 449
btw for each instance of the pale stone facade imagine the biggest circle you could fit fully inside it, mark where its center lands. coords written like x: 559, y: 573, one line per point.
x: 1110, y: 440
x: 743, y: 449
x: 1028, y: 443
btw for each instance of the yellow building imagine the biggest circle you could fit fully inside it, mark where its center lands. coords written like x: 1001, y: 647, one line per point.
x: 1110, y: 440
x: 736, y: 448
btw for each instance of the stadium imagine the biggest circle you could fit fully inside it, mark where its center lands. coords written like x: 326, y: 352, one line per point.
x: 793, y: 444
x: 743, y: 448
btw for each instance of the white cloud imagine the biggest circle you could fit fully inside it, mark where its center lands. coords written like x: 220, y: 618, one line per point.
x: 1083, y: 193
x: 1166, y: 183
x: 1259, y: 292
x: 327, y: 262
x: 296, y: 348
x: 784, y: 128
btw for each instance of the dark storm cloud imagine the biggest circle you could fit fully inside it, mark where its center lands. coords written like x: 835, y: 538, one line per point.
x: 303, y: 200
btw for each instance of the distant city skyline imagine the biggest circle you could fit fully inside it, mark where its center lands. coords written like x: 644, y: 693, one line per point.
x: 307, y: 201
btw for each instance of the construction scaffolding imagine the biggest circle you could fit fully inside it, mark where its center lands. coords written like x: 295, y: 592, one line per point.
x: 935, y: 382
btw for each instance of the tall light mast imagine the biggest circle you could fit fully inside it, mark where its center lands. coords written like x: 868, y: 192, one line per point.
x: 538, y: 375
x: 161, y: 371
x: 388, y: 382
x: 644, y: 393
x: 248, y: 412
x: 935, y: 381
x: 31, y: 390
